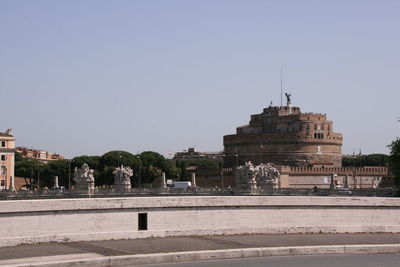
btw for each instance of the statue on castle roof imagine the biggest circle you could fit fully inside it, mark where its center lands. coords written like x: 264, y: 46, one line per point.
x: 288, y: 98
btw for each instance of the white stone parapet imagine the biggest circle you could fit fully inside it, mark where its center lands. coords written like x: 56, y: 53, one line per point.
x: 83, y: 219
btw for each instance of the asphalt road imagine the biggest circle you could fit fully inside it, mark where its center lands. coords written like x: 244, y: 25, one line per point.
x: 371, y: 260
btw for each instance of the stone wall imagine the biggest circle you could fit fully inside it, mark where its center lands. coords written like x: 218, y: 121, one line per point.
x: 30, y: 221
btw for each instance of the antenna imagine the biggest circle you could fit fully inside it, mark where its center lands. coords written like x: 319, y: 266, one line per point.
x: 281, y: 85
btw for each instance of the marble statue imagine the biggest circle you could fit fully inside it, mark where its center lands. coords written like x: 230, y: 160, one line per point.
x: 122, y: 177
x: 288, y: 98
x: 267, y: 174
x: 84, y: 177
x: 257, y: 176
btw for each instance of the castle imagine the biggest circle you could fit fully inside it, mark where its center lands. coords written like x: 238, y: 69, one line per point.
x: 283, y: 135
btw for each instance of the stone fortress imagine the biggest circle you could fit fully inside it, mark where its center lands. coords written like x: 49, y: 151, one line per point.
x: 302, y: 146
x: 283, y: 135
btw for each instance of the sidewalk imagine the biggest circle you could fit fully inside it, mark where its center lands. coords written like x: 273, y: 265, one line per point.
x: 103, y: 253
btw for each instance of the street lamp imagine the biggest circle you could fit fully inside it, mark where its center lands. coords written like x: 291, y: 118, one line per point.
x: 222, y: 172
x: 237, y: 158
x: 69, y: 173
x: 140, y: 173
x: 119, y: 156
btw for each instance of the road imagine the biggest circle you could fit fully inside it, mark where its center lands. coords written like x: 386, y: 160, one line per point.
x: 371, y: 260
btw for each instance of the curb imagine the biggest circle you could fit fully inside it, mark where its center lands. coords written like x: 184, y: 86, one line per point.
x: 186, y: 256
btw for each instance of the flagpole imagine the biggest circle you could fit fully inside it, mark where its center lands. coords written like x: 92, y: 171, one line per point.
x: 281, y: 85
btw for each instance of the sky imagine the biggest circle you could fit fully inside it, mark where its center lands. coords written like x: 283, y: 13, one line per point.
x: 87, y: 77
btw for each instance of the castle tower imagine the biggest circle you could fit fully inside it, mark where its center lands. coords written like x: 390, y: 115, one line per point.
x: 285, y: 136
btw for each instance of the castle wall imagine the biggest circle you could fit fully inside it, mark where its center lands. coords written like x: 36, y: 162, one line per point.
x: 324, y: 181
x: 282, y: 150
x: 306, y: 177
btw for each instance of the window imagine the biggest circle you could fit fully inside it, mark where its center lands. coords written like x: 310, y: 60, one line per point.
x: 3, y: 143
x: 3, y: 157
x: 318, y: 135
x: 142, y: 221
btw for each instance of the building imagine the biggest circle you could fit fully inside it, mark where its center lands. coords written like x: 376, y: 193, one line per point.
x: 41, y: 155
x: 7, y: 150
x: 283, y: 135
x: 191, y: 153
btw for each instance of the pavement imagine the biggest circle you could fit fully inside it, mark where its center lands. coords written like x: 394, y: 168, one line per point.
x: 180, y: 249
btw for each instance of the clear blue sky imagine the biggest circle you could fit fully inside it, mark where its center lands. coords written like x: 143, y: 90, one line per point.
x: 87, y: 77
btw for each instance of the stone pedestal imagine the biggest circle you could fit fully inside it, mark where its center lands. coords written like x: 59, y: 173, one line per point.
x: 56, y: 181
x: 194, y: 180
x: 84, y: 179
x: 163, y: 182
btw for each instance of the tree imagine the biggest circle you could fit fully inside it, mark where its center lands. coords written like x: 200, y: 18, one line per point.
x: 365, y: 160
x: 152, y: 165
x: 184, y: 174
x: 394, y: 159
x: 109, y: 161
x: 117, y: 157
x: 211, y: 164
x: 92, y: 161
x: 54, y: 168
x: 172, y: 170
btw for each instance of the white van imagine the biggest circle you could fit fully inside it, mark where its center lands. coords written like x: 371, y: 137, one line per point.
x: 183, y: 184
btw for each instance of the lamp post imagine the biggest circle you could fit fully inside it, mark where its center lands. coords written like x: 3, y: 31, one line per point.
x: 237, y: 159
x: 69, y: 173
x: 222, y: 172
x: 140, y: 173
x: 37, y: 164
x: 119, y: 156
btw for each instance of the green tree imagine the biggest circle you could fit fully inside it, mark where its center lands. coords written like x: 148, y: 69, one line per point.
x: 152, y: 164
x: 18, y: 157
x: 184, y: 173
x: 109, y: 161
x: 172, y: 171
x: 113, y: 158
x: 34, y: 169
x: 394, y: 159
x: 204, y: 163
x: 54, y: 168
x: 105, y: 176
x: 92, y: 161
x: 365, y: 160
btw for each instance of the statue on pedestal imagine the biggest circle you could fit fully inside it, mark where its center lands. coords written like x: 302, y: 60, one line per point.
x: 262, y: 175
x: 246, y: 175
x: 84, y: 178
x: 268, y: 175
x: 122, y: 177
